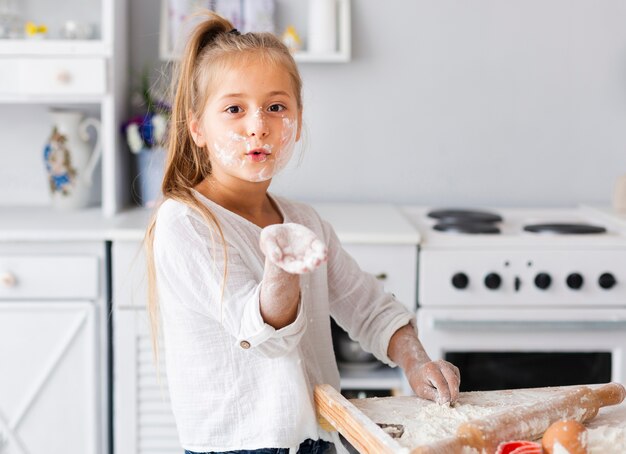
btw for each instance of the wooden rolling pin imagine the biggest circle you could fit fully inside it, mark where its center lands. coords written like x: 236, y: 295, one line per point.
x: 529, y: 422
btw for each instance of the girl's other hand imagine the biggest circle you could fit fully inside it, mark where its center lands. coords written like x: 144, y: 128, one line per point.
x: 435, y: 380
x: 292, y: 247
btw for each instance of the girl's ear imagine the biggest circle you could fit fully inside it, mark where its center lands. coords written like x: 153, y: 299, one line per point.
x: 298, y: 133
x: 195, y: 129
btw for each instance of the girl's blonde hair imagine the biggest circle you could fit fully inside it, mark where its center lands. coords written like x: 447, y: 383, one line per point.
x: 213, y: 46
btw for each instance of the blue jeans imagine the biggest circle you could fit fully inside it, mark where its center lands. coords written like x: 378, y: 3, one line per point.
x: 306, y: 447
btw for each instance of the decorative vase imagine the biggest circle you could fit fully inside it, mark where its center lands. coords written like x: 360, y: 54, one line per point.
x: 150, y: 166
x: 70, y: 161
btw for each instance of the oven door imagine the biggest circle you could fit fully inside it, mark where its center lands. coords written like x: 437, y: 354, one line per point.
x: 523, y: 348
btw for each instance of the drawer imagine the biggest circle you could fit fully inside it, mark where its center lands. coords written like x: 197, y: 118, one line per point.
x: 52, y: 76
x: 394, y: 265
x: 48, y: 277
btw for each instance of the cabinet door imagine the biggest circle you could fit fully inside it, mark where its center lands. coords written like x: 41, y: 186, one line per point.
x: 49, y: 378
x: 394, y: 264
x: 144, y: 423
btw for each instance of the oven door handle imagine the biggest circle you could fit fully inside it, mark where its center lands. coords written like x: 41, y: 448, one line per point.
x: 449, y: 324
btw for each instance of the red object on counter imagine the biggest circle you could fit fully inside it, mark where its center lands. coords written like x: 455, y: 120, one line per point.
x: 519, y: 447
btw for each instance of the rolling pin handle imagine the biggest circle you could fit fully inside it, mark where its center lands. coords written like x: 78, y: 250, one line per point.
x: 610, y: 394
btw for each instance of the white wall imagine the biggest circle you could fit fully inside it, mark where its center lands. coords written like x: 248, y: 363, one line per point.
x: 470, y: 102
x: 483, y: 102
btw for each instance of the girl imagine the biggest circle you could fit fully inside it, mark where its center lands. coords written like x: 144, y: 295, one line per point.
x: 246, y: 281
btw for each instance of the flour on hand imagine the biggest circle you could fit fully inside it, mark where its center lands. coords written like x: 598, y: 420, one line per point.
x: 293, y: 248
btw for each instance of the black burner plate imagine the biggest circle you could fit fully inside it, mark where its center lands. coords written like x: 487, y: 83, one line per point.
x: 466, y: 227
x: 463, y: 216
x: 565, y: 229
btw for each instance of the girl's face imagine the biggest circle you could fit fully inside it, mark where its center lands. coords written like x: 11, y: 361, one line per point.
x: 250, y: 123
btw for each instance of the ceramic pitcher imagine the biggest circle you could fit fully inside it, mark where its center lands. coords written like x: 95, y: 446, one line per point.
x: 70, y: 161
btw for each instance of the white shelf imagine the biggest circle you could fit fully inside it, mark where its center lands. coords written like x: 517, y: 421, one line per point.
x: 336, y: 57
x: 50, y: 99
x: 54, y: 48
x: 342, y: 55
x: 344, y: 40
x: 381, y: 378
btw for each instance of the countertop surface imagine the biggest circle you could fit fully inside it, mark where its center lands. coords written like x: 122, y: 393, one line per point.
x: 608, y: 213
x: 426, y: 423
x: 354, y: 223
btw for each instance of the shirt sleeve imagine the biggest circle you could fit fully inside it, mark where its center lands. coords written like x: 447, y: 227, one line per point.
x: 359, y: 304
x: 191, y: 277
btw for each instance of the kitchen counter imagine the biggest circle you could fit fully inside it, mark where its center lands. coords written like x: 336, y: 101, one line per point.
x: 607, y: 431
x: 426, y: 427
x: 354, y: 223
x: 608, y: 213
x: 44, y: 223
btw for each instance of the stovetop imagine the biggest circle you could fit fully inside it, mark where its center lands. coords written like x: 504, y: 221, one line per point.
x: 515, y: 227
x: 517, y: 267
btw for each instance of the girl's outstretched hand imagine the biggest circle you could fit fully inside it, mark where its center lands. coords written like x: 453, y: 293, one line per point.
x: 292, y: 247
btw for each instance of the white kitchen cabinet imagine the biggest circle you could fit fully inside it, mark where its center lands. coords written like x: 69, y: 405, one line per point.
x: 53, y: 349
x: 48, y: 384
x: 143, y: 419
x: 378, y: 237
x: 88, y: 75
x: 142, y: 416
x: 395, y: 265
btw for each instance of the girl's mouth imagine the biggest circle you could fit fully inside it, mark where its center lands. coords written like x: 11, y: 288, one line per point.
x: 258, y: 154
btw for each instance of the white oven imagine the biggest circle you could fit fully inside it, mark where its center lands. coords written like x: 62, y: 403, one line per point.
x: 513, y: 308
x: 526, y: 347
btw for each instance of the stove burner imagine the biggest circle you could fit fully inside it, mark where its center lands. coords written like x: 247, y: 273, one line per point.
x: 465, y: 216
x: 449, y: 226
x: 564, y: 229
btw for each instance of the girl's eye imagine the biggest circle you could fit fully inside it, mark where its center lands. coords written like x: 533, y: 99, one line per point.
x: 234, y: 109
x: 276, y: 108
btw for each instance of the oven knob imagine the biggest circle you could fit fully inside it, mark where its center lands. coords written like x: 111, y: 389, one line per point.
x: 607, y: 280
x: 493, y: 281
x: 543, y: 281
x: 460, y: 280
x: 574, y: 281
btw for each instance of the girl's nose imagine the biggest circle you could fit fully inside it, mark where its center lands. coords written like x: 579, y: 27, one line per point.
x: 257, y: 126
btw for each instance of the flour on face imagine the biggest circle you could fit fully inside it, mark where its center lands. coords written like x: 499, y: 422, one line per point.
x: 231, y: 149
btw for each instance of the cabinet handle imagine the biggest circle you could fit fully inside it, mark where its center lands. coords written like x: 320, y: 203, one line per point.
x: 381, y: 276
x: 8, y: 279
x: 527, y: 326
x: 64, y: 77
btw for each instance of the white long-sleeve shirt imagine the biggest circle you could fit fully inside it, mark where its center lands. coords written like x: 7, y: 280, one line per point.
x: 235, y: 382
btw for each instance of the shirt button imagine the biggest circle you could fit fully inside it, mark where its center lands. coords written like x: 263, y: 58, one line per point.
x: 244, y: 344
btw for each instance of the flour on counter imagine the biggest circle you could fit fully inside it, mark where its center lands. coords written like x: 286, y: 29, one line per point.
x: 427, y: 422
x: 607, y: 440
x: 606, y: 433
x: 424, y: 421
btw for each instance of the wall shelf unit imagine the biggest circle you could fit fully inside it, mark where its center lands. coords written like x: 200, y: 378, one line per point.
x: 87, y: 75
x: 343, y: 53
